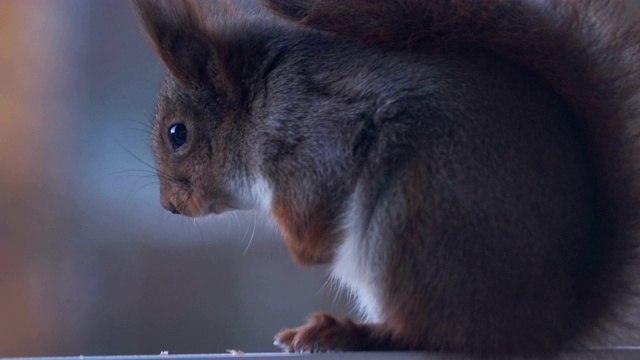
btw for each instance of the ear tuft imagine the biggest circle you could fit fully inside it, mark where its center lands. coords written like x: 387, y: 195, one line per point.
x: 178, y: 32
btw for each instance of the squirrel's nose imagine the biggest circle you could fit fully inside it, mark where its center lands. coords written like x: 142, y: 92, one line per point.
x: 173, y: 209
x: 170, y: 207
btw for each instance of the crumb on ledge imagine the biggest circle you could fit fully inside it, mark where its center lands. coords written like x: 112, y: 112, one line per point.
x: 235, y: 352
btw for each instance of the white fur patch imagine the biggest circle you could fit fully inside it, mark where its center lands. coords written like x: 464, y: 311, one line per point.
x: 262, y: 194
x: 353, y: 264
x: 255, y: 194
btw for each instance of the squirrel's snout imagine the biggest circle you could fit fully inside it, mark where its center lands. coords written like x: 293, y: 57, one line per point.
x: 172, y: 209
x: 168, y: 205
x: 168, y: 198
x: 187, y: 204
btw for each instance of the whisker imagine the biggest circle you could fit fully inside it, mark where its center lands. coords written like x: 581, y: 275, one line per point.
x: 136, y: 156
x: 149, y: 176
x: 253, y: 232
x: 160, y: 173
x: 127, y: 171
x: 144, y: 187
x: 193, y: 188
x: 135, y: 183
x: 324, y: 286
x: 246, y: 231
x: 338, y: 291
x: 148, y: 124
x: 145, y: 131
x: 197, y: 224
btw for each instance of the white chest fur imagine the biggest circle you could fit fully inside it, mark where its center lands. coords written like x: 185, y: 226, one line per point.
x: 252, y: 194
x: 355, y: 265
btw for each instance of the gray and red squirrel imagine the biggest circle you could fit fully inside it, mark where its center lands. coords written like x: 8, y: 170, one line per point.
x: 470, y: 170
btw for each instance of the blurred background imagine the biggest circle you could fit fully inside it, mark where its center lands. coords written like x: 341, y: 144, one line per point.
x: 90, y: 264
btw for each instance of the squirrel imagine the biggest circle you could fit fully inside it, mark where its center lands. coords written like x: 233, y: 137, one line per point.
x: 469, y: 170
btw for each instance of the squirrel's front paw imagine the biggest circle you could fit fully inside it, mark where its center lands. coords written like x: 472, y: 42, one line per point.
x: 321, y: 333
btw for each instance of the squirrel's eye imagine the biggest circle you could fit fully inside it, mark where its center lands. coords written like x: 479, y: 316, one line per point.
x: 177, y: 135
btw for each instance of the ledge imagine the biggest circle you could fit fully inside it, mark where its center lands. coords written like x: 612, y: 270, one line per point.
x: 620, y: 353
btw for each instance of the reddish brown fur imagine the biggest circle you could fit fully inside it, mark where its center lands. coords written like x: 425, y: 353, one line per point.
x: 308, y: 236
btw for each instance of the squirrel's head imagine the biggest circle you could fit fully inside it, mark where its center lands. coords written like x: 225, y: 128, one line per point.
x: 201, y: 131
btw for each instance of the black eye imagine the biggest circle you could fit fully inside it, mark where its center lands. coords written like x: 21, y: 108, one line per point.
x: 177, y: 135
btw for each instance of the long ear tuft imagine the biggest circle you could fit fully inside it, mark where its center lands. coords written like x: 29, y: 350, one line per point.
x: 178, y: 32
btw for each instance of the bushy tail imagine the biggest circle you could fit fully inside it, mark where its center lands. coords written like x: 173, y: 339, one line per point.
x: 587, y: 50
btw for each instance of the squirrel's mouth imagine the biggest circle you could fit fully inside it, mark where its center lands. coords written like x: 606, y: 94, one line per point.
x: 192, y: 204
x: 217, y: 208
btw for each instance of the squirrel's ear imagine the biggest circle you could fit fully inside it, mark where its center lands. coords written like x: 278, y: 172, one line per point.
x: 177, y: 30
